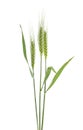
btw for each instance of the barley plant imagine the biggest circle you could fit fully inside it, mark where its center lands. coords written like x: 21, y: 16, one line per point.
x: 43, y: 88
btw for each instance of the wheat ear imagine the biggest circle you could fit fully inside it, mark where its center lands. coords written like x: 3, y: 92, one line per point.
x: 45, y: 44
x: 32, y: 47
x: 40, y: 39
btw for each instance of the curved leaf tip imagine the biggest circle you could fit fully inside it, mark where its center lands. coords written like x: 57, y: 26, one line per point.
x: 47, y: 74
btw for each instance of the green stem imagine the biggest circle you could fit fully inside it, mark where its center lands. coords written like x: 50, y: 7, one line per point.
x: 44, y: 98
x: 35, y: 99
x: 40, y: 93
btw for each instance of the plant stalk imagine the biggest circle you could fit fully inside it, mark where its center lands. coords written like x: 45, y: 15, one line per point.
x: 44, y: 98
x: 40, y: 92
x: 36, y: 112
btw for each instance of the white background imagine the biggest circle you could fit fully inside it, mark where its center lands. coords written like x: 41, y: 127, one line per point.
x: 64, y: 102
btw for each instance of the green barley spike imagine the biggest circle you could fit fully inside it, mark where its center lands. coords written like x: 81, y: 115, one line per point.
x: 45, y: 44
x: 40, y: 39
x: 32, y: 52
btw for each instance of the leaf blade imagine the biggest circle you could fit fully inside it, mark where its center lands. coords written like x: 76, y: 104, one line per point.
x: 23, y: 44
x: 24, y: 51
x: 58, y: 73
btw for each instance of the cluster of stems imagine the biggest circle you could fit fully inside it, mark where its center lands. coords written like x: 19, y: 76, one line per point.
x: 42, y: 42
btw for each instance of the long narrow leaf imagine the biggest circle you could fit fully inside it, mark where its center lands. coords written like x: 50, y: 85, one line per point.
x: 24, y: 45
x: 58, y: 74
x: 24, y: 51
x: 48, y: 71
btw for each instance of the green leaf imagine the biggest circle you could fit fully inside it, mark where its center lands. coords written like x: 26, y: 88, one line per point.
x: 24, y: 51
x: 58, y: 74
x: 48, y: 71
x: 53, y: 69
x: 24, y: 45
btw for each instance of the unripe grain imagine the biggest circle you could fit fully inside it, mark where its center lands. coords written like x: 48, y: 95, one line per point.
x: 41, y: 39
x: 45, y: 44
x: 32, y: 52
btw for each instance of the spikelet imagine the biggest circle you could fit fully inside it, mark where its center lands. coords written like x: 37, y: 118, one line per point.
x: 41, y: 39
x: 45, y: 44
x: 32, y: 47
